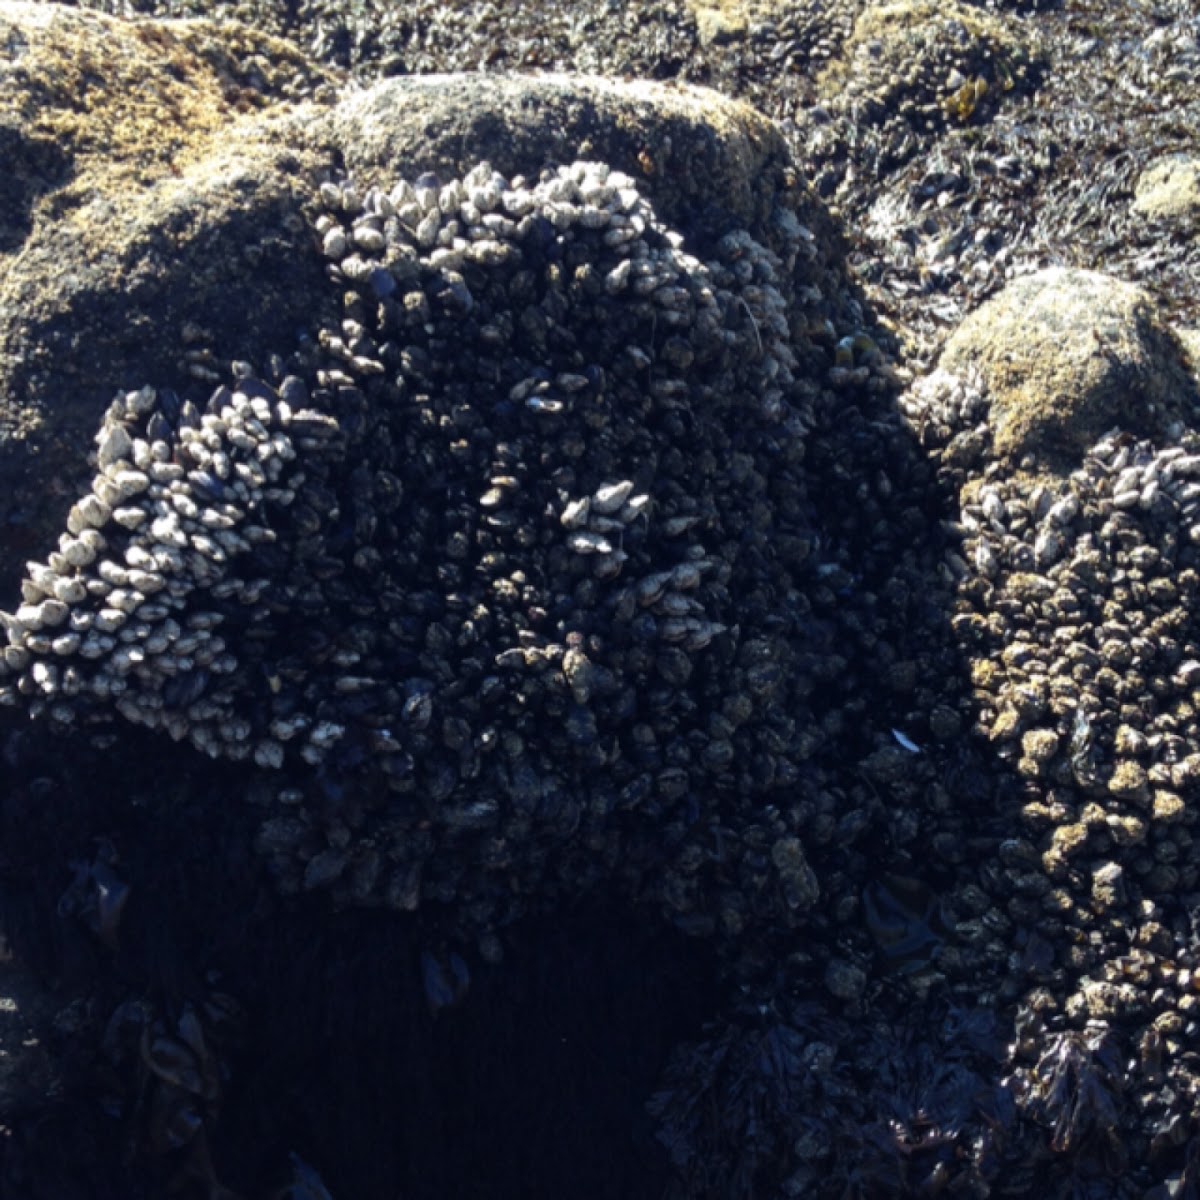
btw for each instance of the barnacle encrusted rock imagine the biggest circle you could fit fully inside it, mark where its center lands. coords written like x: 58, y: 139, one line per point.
x: 502, y: 531
x: 497, y: 568
x: 686, y: 146
x: 489, y: 553
x: 1077, y: 610
x: 1062, y: 356
x: 925, y: 62
x: 170, y: 254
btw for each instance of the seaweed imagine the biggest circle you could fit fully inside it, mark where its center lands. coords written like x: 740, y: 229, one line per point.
x: 727, y: 1106
x: 1076, y: 1092
x: 821, y: 1104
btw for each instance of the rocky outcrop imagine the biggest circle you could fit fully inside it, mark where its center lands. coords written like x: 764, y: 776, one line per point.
x: 498, y: 489
x: 628, y: 312
x: 1065, y: 355
x: 1169, y: 189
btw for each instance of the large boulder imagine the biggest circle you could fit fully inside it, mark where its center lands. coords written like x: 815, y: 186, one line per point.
x: 453, y: 498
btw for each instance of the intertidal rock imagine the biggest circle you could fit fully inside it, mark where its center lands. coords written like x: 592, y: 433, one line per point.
x: 485, y: 528
x: 1169, y: 189
x: 491, y: 553
x: 1064, y: 355
x: 922, y: 63
x: 497, y: 571
x: 706, y: 160
x: 1076, y: 611
x: 137, y: 233
x: 174, y: 252
x: 526, y: 523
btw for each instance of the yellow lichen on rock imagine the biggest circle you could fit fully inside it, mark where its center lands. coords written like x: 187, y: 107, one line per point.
x: 719, y: 21
x: 923, y: 56
x: 129, y: 99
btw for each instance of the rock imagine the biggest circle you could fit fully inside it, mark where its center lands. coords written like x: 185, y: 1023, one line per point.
x: 1065, y: 355
x: 139, y: 232
x: 720, y: 21
x: 686, y: 145
x: 124, y: 225
x: 630, y: 317
x: 925, y: 62
x: 1169, y: 188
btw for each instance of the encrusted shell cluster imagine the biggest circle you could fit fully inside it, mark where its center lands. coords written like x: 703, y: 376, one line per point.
x: 1077, y: 614
x: 133, y: 607
x: 504, y: 548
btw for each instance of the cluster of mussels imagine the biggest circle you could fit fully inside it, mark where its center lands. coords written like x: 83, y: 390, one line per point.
x: 908, y: 70
x: 504, y: 578
x: 1077, y: 614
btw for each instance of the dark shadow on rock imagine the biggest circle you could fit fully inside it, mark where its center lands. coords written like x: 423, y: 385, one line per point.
x: 32, y: 168
x: 533, y: 1086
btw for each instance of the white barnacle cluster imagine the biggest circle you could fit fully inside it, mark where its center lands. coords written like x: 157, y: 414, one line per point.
x: 129, y: 610
x: 487, y: 221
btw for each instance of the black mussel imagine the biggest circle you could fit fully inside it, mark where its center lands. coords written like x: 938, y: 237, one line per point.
x: 221, y: 398
x: 294, y: 391
x: 255, y: 389
x: 207, y: 485
x: 180, y: 691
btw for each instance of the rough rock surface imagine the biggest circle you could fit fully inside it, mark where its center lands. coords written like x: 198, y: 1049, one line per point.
x: 924, y: 63
x: 188, y: 218
x: 713, y: 167
x: 1065, y: 355
x: 707, y: 160
x: 146, y: 192
x: 1169, y: 189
